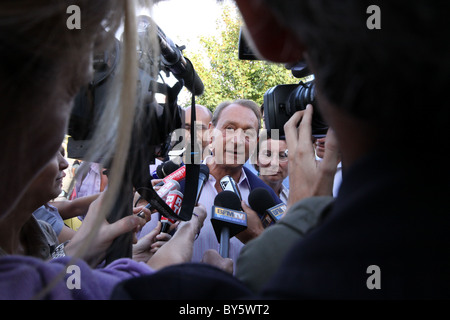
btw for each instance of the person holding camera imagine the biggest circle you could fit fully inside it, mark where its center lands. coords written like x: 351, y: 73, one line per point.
x: 313, y: 184
x: 387, y: 233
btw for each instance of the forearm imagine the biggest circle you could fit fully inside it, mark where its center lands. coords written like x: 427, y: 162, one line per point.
x: 324, y: 183
x: 74, y: 208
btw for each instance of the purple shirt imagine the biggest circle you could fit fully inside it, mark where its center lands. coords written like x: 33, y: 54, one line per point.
x: 23, y: 277
x: 91, y: 183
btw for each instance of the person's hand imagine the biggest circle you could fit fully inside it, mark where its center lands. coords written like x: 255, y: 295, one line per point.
x: 328, y: 166
x: 179, y: 248
x: 139, y: 201
x: 144, y: 249
x: 254, y: 225
x: 155, y: 182
x: 147, y: 214
x: 104, y: 236
x: 213, y: 258
x: 307, y: 176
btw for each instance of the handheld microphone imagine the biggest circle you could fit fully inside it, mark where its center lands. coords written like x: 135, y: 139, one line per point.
x: 162, y: 193
x: 164, y: 169
x: 174, y: 200
x: 203, y: 176
x: 177, y: 175
x: 228, y: 184
x: 268, y: 210
x: 227, y: 219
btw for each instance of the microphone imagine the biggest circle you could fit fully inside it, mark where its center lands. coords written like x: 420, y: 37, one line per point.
x: 164, y: 169
x: 228, y: 184
x: 203, y: 176
x: 162, y: 193
x: 172, y: 58
x: 268, y: 210
x: 227, y: 219
x: 177, y: 175
x: 174, y: 200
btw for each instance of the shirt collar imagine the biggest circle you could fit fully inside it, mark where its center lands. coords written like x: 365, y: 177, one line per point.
x: 243, y: 178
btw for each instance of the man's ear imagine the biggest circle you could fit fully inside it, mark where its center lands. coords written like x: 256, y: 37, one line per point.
x: 267, y: 36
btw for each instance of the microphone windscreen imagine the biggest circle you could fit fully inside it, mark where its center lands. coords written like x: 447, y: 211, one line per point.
x: 260, y: 200
x: 166, y: 168
x: 204, y: 170
x: 228, y: 199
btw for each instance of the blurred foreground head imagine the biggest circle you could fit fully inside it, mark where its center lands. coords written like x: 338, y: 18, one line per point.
x: 43, y: 63
x: 390, y: 81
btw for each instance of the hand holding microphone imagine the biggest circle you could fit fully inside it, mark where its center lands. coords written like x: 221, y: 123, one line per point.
x: 174, y: 200
x: 164, y: 169
x: 268, y: 210
x: 162, y: 193
x: 177, y: 175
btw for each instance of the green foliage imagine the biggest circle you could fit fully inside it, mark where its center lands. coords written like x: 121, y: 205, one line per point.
x: 224, y: 76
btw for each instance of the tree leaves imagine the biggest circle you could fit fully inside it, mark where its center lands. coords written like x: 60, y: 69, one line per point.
x: 224, y: 76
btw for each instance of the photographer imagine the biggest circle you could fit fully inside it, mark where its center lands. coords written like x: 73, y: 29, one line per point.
x: 387, y: 213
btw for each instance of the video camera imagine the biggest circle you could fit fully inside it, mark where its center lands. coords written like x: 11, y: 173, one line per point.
x: 156, y: 120
x: 282, y: 101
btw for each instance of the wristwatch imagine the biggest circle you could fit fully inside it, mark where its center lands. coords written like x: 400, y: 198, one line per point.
x: 59, y: 250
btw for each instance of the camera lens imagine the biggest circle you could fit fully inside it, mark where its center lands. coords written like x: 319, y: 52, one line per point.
x: 303, y: 95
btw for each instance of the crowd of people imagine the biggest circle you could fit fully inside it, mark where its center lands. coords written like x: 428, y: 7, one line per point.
x: 357, y: 200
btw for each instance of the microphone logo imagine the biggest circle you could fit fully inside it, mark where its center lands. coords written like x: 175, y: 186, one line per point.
x: 224, y: 184
x: 229, y: 215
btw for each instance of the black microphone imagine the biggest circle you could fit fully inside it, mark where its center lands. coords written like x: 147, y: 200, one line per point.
x: 203, y: 176
x: 164, y: 169
x: 227, y: 219
x: 173, y: 59
x: 268, y: 210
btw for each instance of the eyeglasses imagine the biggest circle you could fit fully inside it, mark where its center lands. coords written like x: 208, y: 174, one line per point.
x: 268, y: 155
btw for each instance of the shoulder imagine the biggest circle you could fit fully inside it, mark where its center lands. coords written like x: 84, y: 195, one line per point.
x: 25, y: 277
x: 306, y: 214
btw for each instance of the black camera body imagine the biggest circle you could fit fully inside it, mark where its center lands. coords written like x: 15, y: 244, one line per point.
x: 156, y: 121
x: 282, y: 101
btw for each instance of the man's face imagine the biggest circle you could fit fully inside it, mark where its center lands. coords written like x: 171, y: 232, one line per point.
x: 234, y: 137
x: 202, y: 122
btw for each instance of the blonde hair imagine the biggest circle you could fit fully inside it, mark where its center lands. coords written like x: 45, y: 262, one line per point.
x: 43, y: 66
